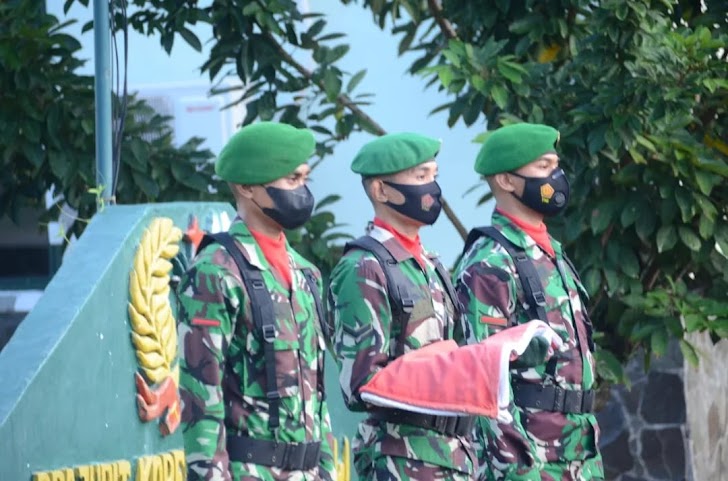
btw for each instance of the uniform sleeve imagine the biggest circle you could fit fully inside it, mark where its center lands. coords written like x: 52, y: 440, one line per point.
x: 362, y: 319
x: 486, y: 292
x: 208, y: 298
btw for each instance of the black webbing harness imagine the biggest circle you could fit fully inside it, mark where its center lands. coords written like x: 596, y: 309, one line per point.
x: 289, y: 456
x: 548, y: 397
x: 402, y: 302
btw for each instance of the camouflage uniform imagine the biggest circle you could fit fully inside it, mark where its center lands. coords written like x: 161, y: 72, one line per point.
x: 538, y: 445
x: 365, y: 341
x: 222, y: 379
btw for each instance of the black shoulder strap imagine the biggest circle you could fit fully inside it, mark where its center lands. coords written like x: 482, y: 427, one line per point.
x: 310, y: 277
x: 261, y: 307
x: 401, y: 300
x: 532, y: 288
x: 444, y: 276
x: 584, y: 300
x: 530, y: 282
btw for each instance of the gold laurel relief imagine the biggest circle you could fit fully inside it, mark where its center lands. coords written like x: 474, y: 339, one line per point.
x: 154, y: 332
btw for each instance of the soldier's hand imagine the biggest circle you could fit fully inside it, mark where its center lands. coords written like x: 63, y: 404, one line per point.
x: 534, y: 355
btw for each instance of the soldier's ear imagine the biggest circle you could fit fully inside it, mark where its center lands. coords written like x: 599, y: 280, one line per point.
x: 242, y: 191
x: 376, y: 190
x: 503, y: 181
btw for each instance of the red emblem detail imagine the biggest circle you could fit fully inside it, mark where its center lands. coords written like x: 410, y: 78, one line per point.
x: 427, y: 202
x: 194, y: 234
x: 205, y: 322
x: 494, y: 321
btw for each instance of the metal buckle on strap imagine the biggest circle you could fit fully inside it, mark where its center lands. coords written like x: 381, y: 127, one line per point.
x: 312, y: 456
x: 269, y: 332
x: 440, y: 423
x: 257, y: 284
x: 464, y: 425
x: 293, y: 457
x: 573, y: 402
x: 559, y: 399
x: 452, y: 424
x: 539, y: 297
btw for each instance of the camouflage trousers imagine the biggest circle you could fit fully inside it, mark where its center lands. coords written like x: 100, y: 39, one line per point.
x: 395, y: 468
x: 254, y: 472
x: 587, y: 470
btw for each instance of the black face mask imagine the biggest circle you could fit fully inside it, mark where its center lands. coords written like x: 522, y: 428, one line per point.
x: 421, y: 202
x: 292, y: 208
x: 546, y: 195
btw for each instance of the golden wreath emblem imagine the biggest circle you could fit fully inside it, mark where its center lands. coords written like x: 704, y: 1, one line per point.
x: 153, y: 327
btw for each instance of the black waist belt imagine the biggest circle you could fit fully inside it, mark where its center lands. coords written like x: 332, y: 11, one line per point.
x: 449, y: 425
x: 287, y: 456
x: 553, y: 398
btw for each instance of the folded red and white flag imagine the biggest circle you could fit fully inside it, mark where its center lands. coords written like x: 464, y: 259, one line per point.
x: 447, y: 380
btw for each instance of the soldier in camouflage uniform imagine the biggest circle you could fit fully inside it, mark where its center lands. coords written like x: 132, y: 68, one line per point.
x: 371, y: 328
x: 554, y: 434
x: 236, y: 426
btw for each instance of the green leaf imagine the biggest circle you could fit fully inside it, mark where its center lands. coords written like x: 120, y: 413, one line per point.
x: 330, y: 36
x: 688, y: 237
x: 613, y: 281
x: 592, y: 281
x: 689, y: 353
x: 705, y: 181
x: 316, y: 28
x: 706, y: 226
x: 332, y: 84
x: 336, y: 53
x: 629, y: 264
x: 328, y: 200
x: 147, y: 185
x: 658, y: 341
x: 500, y: 96
x: 355, y: 79
x: 629, y: 214
x: 685, y: 203
x: 609, y: 367
x: 58, y: 163
x: 595, y: 138
x: 645, y: 143
x: 511, y: 70
x: 190, y: 37
x: 666, y: 238
x: 601, y: 217
x: 445, y: 74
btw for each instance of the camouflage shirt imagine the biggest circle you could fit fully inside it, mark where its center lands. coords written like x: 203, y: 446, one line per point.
x: 492, y: 298
x: 365, y: 340
x: 222, y: 378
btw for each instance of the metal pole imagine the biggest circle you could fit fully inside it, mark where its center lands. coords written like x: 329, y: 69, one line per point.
x: 102, y: 88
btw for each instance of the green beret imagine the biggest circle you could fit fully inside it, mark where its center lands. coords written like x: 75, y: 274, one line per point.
x: 513, y: 146
x: 263, y: 152
x: 394, y: 153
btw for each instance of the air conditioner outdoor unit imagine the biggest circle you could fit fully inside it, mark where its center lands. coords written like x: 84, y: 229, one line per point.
x: 193, y: 112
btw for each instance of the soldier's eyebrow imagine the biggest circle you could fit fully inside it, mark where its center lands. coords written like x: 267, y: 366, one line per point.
x: 421, y: 169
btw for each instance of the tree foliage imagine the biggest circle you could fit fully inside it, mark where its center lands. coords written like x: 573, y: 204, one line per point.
x: 637, y: 89
x: 639, y: 92
x: 47, y: 128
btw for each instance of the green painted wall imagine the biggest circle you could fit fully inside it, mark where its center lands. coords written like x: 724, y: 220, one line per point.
x: 67, y: 394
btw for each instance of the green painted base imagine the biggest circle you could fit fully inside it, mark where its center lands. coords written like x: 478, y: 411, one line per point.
x: 67, y: 393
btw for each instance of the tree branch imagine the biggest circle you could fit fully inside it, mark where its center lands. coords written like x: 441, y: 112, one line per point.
x: 445, y: 26
x: 344, y: 100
